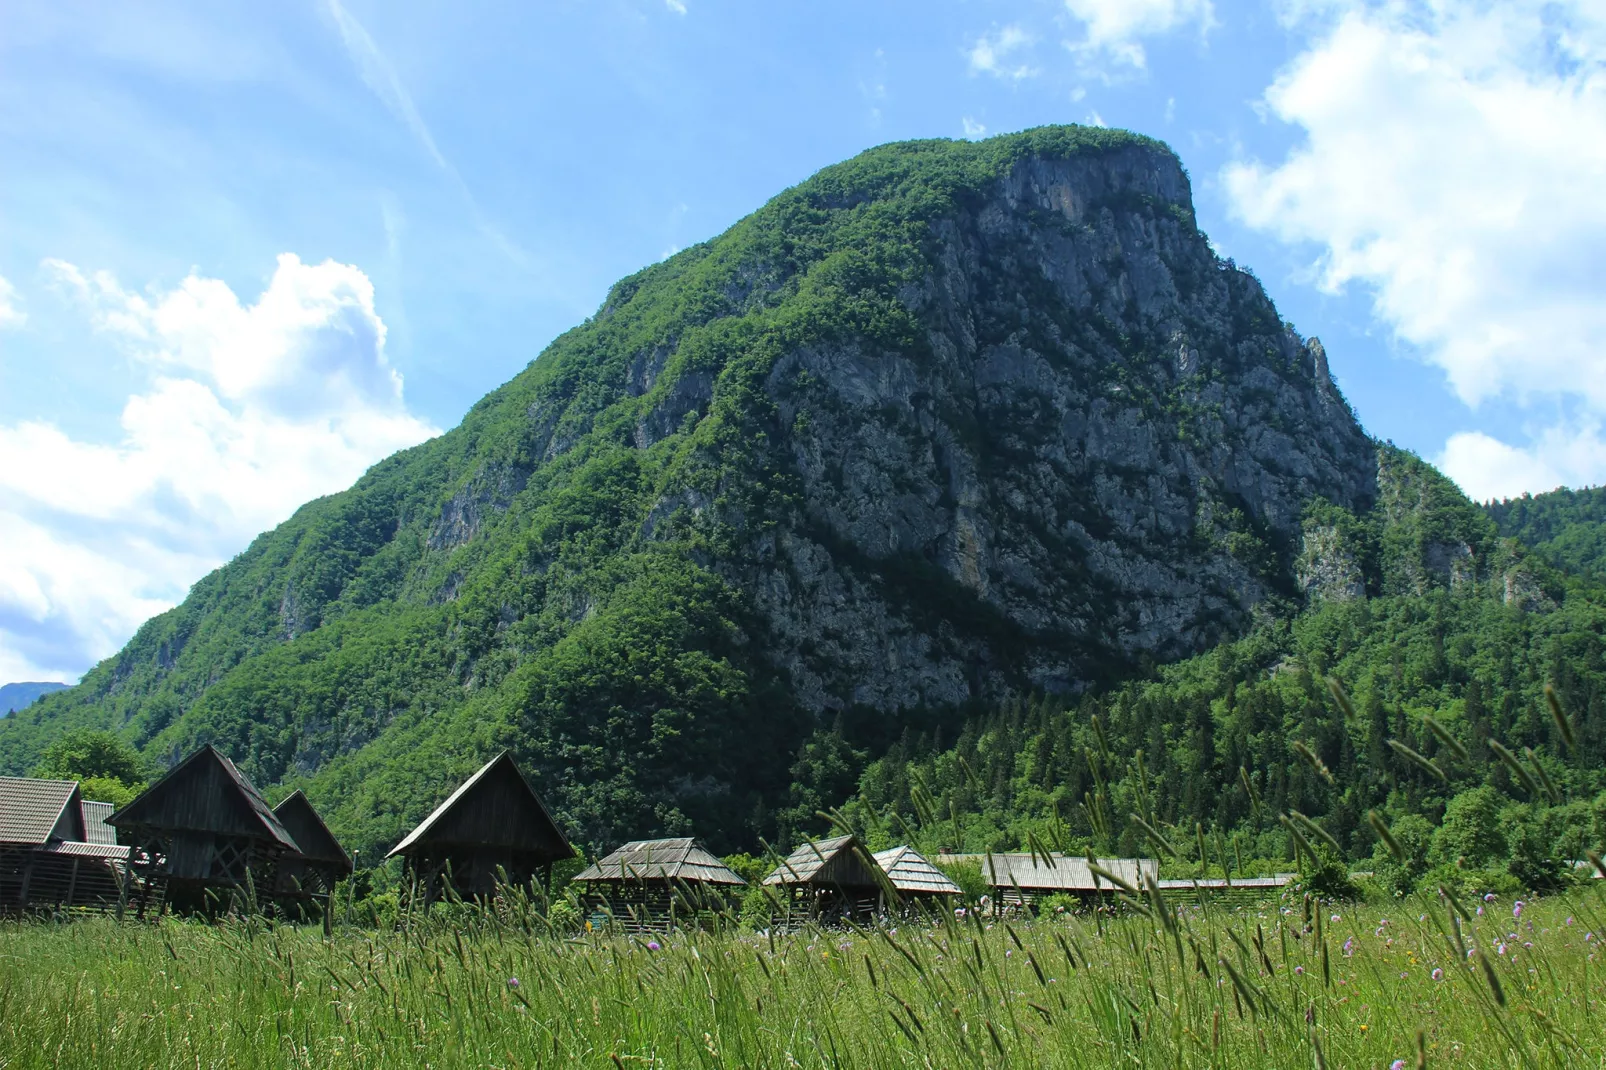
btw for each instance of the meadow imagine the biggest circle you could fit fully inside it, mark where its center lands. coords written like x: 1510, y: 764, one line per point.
x: 1291, y: 984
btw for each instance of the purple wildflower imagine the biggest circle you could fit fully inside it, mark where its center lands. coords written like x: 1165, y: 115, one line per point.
x: 1299, y: 969
x: 1516, y: 908
x: 653, y: 945
x: 1349, y: 946
x: 513, y: 982
x: 1438, y: 974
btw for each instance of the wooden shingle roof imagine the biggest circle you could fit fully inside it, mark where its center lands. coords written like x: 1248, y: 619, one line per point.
x: 909, y: 871
x: 34, y: 812
x: 839, y: 860
x: 681, y: 859
x: 317, y: 843
x: 1060, y: 873
x: 495, y: 808
x: 205, y: 793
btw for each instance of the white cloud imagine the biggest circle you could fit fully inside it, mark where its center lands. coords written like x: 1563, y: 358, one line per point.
x: 675, y: 6
x: 991, y: 54
x: 1487, y: 468
x: 1452, y: 163
x: 973, y: 129
x: 11, y: 315
x: 250, y: 410
x: 1114, y: 28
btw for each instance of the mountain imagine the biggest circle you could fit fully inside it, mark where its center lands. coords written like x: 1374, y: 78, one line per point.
x: 14, y: 697
x: 947, y: 422
x: 1566, y: 527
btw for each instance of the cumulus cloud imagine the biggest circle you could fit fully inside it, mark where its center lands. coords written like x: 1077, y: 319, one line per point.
x: 993, y: 53
x: 1487, y: 468
x: 973, y: 129
x: 249, y: 410
x: 1114, y: 29
x: 1452, y: 162
x: 676, y: 6
x: 11, y: 313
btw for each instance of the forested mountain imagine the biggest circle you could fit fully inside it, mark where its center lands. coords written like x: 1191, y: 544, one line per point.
x: 946, y: 425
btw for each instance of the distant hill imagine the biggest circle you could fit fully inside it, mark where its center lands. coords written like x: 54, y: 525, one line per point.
x: 15, y: 697
x: 1566, y: 527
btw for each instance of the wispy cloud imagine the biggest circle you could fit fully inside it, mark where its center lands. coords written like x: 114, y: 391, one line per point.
x: 994, y: 54
x: 11, y: 313
x: 1114, y: 29
x: 380, y: 76
x: 676, y: 6
x: 972, y: 128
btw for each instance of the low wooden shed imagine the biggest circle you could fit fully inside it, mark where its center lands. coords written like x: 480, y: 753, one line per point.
x: 493, y: 824
x: 311, y: 873
x: 201, y: 834
x: 656, y: 884
x: 47, y: 858
x: 1023, y: 879
x: 831, y: 878
x: 917, y: 881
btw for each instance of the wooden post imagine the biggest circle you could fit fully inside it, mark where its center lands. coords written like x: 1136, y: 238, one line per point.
x: 72, y: 881
x: 27, y: 878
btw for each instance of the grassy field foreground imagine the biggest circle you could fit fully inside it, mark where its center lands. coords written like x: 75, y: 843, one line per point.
x: 1355, y: 986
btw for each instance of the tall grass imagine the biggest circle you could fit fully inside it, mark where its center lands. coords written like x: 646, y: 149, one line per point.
x: 1291, y: 985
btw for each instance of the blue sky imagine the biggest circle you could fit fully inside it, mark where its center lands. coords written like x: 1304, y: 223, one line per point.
x: 248, y: 249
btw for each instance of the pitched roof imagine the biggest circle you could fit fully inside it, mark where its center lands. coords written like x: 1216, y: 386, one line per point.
x: 37, y: 811
x: 109, y: 851
x: 909, y: 871
x: 205, y: 793
x: 95, y: 828
x: 1059, y: 873
x: 317, y: 843
x: 494, y: 808
x: 682, y: 859
x: 837, y: 860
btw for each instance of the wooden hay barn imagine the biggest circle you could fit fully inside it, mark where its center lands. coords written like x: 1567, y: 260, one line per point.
x: 1023, y: 879
x: 835, y: 877
x: 917, y: 881
x: 1234, y: 891
x: 494, y: 823
x: 200, y: 834
x: 319, y: 864
x: 47, y: 859
x: 655, y: 884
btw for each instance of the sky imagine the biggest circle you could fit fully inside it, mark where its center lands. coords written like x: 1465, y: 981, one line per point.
x: 248, y: 249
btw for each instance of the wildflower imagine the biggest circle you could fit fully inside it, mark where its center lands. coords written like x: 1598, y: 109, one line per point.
x: 1397, y: 1064
x: 1488, y: 897
x: 1008, y: 952
x: 1500, y: 949
x: 1480, y: 912
x: 959, y: 912
x: 653, y: 945
x: 1569, y: 919
x: 1337, y: 919
x: 1438, y: 974
x: 1299, y: 969
x: 1423, y: 918
x: 513, y: 982
x: 1349, y: 946
x: 1403, y: 975
x: 1516, y: 909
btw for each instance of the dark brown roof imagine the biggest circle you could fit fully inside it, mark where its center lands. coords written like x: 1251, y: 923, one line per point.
x: 494, y: 808
x: 38, y: 811
x: 108, y: 851
x: 205, y: 793
x: 317, y: 843
x: 840, y: 860
x: 95, y: 828
x: 682, y: 859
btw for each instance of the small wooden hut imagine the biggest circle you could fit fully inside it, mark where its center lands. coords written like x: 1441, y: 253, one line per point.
x: 653, y: 884
x: 320, y: 863
x: 917, y: 882
x: 46, y: 858
x: 199, y: 833
x: 493, y: 824
x: 831, y: 878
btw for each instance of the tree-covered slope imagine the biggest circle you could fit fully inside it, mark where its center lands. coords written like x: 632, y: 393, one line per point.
x: 1566, y: 527
x: 944, y: 423
x: 1427, y: 615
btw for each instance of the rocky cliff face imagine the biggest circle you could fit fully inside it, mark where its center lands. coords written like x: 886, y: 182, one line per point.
x: 1099, y: 449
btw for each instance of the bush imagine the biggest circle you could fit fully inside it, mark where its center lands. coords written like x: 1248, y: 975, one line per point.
x: 1414, y: 834
x: 1470, y: 836
x: 1327, y: 877
x: 968, y: 876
